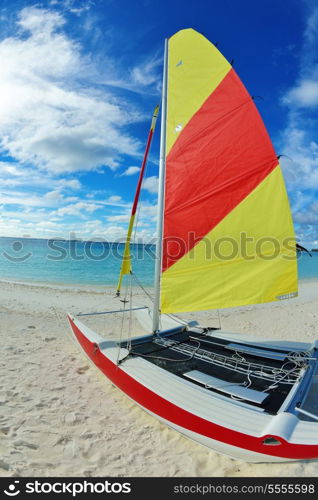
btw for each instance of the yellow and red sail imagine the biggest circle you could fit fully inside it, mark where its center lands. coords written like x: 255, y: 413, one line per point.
x: 126, y: 261
x: 228, y: 231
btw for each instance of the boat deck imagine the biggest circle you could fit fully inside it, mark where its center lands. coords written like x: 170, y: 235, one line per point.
x: 258, y: 376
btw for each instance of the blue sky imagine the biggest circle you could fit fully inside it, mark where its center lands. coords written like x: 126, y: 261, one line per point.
x: 78, y: 84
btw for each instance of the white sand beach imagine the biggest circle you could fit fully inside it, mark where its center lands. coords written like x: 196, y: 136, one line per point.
x: 59, y: 416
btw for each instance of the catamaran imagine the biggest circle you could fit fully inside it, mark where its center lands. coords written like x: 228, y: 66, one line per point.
x: 220, y: 188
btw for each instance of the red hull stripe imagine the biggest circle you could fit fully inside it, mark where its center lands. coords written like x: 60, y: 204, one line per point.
x: 176, y: 415
x: 220, y: 156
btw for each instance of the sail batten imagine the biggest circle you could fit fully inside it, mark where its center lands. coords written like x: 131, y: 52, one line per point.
x: 222, y: 180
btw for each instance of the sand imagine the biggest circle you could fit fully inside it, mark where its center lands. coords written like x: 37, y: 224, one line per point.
x: 59, y: 416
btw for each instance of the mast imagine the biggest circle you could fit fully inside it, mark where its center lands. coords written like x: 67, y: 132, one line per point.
x: 162, y: 162
x: 126, y: 262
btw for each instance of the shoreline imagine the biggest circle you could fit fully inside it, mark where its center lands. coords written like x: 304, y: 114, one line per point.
x: 69, y: 286
x: 100, y: 288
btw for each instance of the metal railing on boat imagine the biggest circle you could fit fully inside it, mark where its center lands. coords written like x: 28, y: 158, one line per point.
x: 111, y: 312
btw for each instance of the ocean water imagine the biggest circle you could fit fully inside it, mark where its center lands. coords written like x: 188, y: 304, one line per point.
x: 89, y: 263
x: 71, y: 262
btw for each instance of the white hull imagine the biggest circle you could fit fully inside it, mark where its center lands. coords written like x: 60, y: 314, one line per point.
x: 227, y: 426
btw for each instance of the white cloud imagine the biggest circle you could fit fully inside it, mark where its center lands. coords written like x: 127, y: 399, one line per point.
x: 57, y: 118
x: 119, y: 218
x: 49, y: 116
x: 311, y: 31
x: 114, y: 199
x: 143, y: 78
x: 46, y: 224
x: 14, y: 174
x: 112, y: 233
x: 69, y: 183
x: 309, y: 216
x: 23, y: 199
x: 10, y: 169
x: 301, y: 166
x: 151, y: 184
x: 131, y: 171
x: 146, y: 73
x: 38, y: 222
x: 54, y: 196
x: 74, y: 6
x: 32, y: 199
x: 77, y: 209
x: 32, y: 19
x: 303, y: 95
x: 149, y: 210
x: 299, y: 139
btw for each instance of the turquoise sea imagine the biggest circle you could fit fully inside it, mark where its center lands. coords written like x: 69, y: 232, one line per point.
x: 71, y: 262
x: 88, y: 263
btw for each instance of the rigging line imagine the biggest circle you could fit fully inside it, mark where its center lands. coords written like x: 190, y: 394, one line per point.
x: 170, y: 359
x: 141, y: 286
x: 122, y: 323
x: 163, y: 348
x: 301, y: 360
x: 244, y: 384
x: 176, y: 318
x: 277, y: 380
x: 226, y: 361
x: 300, y: 357
x: 220, y: 322
x: 130, y: 316
x: 239, y: 357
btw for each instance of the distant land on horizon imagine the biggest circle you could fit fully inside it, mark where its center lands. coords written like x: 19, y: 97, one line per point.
x: 80, y: 240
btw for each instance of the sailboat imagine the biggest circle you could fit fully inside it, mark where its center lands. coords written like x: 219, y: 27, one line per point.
x: 225, y: 239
